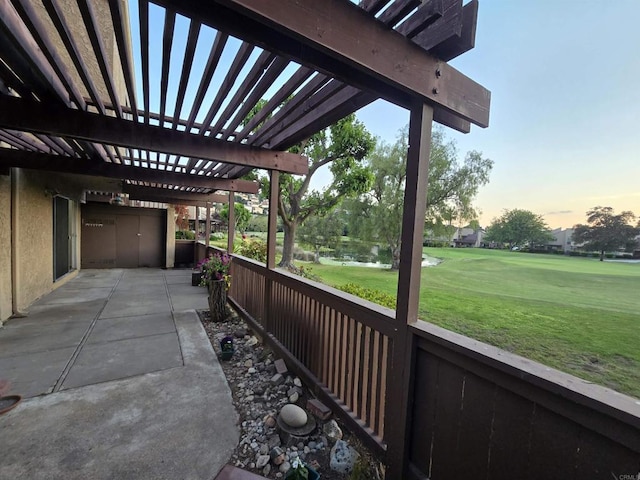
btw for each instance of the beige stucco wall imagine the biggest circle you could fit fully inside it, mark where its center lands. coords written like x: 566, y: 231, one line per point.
x: 5, y: 248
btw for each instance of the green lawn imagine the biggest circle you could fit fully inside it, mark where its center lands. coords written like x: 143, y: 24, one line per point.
x: 575, y: 314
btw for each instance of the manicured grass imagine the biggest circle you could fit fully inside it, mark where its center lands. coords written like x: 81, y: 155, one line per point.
x: 575, y: 314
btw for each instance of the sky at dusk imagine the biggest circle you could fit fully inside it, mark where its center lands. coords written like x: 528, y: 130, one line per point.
x: 565, y: 82
x: 564, y: 77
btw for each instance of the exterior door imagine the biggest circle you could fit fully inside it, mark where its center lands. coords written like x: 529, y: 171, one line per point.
x: 122, y: 237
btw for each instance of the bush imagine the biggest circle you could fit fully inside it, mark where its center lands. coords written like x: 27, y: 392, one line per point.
x: 185, y: 235
x: 255, y: 249
x: 371, y: 294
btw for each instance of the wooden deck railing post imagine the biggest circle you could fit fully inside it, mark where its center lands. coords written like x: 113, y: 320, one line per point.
x: 207, y: 226
x: 231, y: 230
x: 272, y: 228
x: 415, y: 200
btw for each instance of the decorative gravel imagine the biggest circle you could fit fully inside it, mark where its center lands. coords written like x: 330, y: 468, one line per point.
x: 258, y: 400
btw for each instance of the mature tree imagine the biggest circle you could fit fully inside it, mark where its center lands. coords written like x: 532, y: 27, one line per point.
x: 606, y: 232
x: 322, y: 232
x: 182, y: 217
x: 451, y: 189
x: 242, y: 216
x: 518, y: 227
x: 342, y: 147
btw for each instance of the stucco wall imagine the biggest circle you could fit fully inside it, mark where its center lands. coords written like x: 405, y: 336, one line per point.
x: 5, y: 248
x: 34, y: 249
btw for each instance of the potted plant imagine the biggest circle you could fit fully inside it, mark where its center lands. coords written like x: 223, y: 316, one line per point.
x: 216, y: 276
x: 300, y: 471
x: 226, y: 348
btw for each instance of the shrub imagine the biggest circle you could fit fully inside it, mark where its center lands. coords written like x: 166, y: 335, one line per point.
x: 185, y: 235
x: 371, y: 294
x: 255, y: 249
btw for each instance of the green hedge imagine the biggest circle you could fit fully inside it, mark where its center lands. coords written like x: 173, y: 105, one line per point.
x: 373, y: 295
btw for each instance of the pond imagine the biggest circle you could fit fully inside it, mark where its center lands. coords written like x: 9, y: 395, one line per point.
x: 426, y: 262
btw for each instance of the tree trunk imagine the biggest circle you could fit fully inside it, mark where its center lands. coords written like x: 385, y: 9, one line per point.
x: 289, y: 243
x: 395, y: 258
x: 316, y: 256
x: 218, y: 300
x: 602, y: 255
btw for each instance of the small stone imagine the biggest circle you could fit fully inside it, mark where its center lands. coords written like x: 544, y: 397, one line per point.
x: 248, y: 363
x: 284, y: 468
x: 319, y: 409
x: 249, y: 398
x: 293, y: 390
x: 277, y: 379
x: 252, y: 341
x: 251, y: 371
x: 307, y: 450
x: 343, y: 457
x: 332, y: 430
x: 297, y: 382
x: 266, y: 470
x: 277, y: 455
x: 270, y: 421
x: 294, y: 416
x: 264, y: 449
x: 240, y: 333
x: 300, y: 445
x: 281, y: 367
x: 293, y: 398
x: 262, y: 460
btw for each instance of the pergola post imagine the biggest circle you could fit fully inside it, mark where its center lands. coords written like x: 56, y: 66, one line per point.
x: 231, y: 231
x: 196, y: 226
x: 207, y: 226
x: 272, y: 228
x: 415, y: 201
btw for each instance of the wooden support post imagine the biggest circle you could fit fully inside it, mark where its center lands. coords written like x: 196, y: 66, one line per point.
x: 207, y: 226
x: 272, y: 229
x: 397, y: 415
x: 196, y: 227
x: 231, y: 227
x: 274, y: 192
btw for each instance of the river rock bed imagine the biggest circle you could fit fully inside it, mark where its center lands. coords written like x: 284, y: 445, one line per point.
x: 259, y: 393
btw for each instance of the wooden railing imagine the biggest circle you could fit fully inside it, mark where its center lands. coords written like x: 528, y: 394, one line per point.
x: 340, y: 343
x: 473, y: 410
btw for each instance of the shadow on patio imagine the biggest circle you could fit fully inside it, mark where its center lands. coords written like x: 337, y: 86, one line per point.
x: 120, y: 380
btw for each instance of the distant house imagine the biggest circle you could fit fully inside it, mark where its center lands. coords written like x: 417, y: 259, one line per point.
x: 562, y: 240
x: 468, y: 237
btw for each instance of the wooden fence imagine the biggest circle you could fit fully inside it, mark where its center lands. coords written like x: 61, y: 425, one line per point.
x: 474, y: 411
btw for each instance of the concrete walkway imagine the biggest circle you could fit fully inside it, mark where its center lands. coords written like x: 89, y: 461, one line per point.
x: 121, y: 380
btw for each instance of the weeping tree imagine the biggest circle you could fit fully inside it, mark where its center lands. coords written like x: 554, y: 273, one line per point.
x: 322, y: 232
x: 341, y: 148
x: 451, y: 189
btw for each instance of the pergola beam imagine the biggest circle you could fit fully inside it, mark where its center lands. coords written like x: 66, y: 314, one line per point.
x: 340, y: 38
x: 63, y: 164
x: 19, y: 114
x: 156, y: 194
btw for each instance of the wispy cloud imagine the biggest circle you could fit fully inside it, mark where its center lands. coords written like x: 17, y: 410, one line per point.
x: 560, y: 212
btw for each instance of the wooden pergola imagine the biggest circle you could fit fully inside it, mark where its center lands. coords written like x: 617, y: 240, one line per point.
x: 62, y: 110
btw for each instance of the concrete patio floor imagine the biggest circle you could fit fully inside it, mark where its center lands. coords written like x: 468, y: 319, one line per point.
x: 120, y: 382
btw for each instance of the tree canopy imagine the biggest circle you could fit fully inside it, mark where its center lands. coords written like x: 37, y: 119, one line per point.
x: 241, y: 213
x: 607, y: 232
x: 341, y: 147
x: 452, y: 187
x: 322, y: 232
x: 519, y: 227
